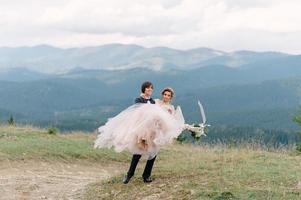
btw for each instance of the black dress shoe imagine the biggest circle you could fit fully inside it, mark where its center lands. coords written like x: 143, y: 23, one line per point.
x: 147, y: 180
x: 126, y: 179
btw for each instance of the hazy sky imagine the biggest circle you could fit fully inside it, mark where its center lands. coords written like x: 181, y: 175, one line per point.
x: 221, y: 24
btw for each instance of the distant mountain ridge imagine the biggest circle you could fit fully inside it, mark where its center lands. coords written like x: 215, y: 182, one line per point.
x: 21, y: 74
x: 45, y: 58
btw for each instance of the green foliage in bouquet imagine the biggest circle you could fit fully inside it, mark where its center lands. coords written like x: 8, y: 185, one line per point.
x: 197, y: 135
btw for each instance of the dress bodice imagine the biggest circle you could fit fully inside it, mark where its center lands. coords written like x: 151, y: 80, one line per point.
x: 168, y: 107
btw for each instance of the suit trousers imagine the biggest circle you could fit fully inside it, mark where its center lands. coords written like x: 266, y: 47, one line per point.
x: 148, y: 167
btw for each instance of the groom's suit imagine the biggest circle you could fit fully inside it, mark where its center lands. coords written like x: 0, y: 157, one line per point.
x: 135, y: 159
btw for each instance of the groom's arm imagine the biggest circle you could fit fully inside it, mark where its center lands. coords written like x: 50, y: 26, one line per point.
x: 138, y: 100
x: 141, y: 100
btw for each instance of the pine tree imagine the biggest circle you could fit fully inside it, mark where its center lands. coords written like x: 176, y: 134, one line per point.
x: 297, y: 119
x: 11, y: 121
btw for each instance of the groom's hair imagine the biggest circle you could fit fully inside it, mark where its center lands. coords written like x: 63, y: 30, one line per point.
x: 145, y: 85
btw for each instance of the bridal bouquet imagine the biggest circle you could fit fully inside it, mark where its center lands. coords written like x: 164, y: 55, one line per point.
x: 196, y: 130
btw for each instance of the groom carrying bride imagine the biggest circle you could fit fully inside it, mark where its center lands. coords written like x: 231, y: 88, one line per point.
x: 142, y: 128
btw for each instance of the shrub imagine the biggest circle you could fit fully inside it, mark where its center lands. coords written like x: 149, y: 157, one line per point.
x: 11, y: 121
x: 52, y: 131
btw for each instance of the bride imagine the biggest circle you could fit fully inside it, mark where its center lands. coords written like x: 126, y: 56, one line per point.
x: 143, y: 128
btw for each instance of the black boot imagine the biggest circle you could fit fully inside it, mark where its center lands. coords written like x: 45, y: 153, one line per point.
x: 147, y: 180
x: 148, y: 170
x: 126, y: 179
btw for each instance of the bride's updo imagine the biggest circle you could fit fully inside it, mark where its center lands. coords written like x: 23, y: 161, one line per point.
x: 168, y: 89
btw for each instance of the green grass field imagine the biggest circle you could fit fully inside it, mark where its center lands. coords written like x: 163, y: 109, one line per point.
x: 27, y: 142
x: 180, y: 171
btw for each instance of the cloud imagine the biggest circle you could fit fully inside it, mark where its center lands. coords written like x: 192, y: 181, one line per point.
x: 222, y: 24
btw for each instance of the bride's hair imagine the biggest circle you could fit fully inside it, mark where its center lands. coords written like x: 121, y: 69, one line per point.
x: 168, y: 89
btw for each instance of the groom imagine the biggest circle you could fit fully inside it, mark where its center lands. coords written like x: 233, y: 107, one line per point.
x: 145, y: 97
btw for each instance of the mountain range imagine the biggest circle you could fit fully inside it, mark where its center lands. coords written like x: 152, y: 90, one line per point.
x: 79, y: 88
x: 44, y: 58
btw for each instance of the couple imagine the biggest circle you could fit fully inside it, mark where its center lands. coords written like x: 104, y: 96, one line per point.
x: 142, y: 128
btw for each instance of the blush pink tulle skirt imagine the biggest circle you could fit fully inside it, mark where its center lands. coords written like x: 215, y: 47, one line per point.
x: 140, y: 129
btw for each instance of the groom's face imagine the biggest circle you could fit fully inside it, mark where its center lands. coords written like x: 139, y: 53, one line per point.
x: 149, y: 91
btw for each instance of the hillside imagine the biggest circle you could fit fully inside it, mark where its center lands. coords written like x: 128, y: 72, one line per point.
x: 85, y: 103
x: 180, y: 172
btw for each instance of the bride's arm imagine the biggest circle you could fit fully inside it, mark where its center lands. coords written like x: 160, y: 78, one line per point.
x: 180, y: 118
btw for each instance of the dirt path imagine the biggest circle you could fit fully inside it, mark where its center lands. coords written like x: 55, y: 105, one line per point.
x: 49, y: 180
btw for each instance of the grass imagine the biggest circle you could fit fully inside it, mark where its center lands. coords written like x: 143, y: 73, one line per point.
x: 27, y: 142
x: 180, y: 171
x: 190, y: 172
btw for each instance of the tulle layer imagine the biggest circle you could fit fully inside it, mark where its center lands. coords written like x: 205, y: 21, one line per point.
x: 140, y: 129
